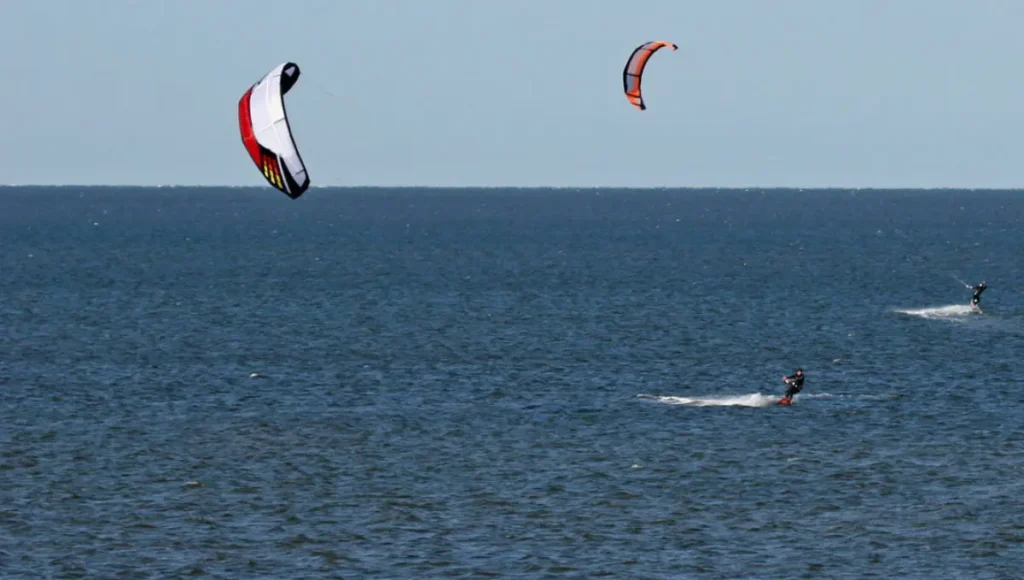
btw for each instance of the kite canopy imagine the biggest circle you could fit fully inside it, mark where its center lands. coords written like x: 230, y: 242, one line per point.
x: 265, y: 132
x: 634, y: 70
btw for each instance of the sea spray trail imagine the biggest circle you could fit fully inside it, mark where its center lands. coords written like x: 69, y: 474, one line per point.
x: 751, y: 400
x: 951, y: 311
x: 755, y: 399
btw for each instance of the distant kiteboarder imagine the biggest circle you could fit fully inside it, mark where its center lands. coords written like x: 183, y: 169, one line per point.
x: 976, y: 298
x: 794, y: 384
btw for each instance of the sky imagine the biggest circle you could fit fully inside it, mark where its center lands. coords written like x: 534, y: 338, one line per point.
x: 761, y: 93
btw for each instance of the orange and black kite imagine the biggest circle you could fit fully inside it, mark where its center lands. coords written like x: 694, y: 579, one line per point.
x: 634, y: 70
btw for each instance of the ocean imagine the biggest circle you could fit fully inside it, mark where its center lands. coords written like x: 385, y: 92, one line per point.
x: 510, y: 383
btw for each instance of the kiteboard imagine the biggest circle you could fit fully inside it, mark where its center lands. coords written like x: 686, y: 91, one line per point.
x: 786, y: 401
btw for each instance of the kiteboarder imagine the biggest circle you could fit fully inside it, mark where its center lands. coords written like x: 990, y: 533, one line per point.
x: 794, y: 384
x: 976, y: 298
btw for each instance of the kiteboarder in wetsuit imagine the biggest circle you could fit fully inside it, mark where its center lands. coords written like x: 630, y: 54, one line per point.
x: 976, y: 298
x: 794, y: 384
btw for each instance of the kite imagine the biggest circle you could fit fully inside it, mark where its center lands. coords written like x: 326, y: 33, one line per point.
x: 634, y: 70
x: 265, y: 132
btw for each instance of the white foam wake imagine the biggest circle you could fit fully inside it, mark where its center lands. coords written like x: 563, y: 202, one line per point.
x: 951, y: 311
x: 752, y: 400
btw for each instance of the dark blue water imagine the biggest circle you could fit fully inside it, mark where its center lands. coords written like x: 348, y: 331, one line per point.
x: 509, y: 383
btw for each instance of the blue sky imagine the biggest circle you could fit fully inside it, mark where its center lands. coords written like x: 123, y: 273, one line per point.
x: 805, y: 93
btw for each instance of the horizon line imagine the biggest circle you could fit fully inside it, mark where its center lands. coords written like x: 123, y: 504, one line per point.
x: 748, y: 188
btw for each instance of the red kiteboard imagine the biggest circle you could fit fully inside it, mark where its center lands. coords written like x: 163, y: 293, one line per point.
x: 786, y: 401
